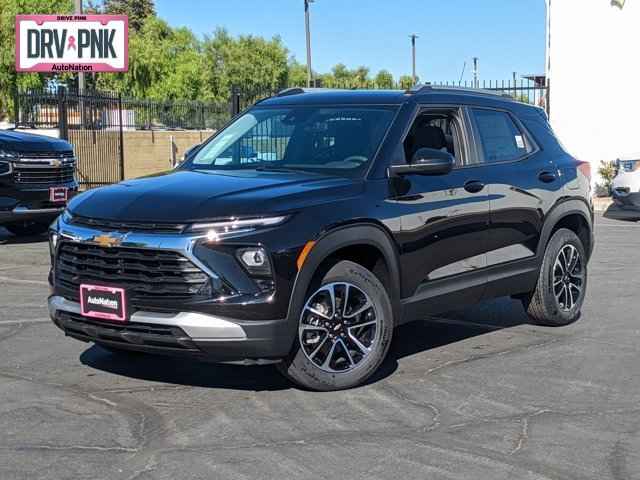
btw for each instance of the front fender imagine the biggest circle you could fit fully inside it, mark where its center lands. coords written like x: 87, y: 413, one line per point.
x: 334, y: 240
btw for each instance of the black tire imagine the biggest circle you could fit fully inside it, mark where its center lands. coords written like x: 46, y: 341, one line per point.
x: 544, y: 305
x: 27, y: 228
x: 299, y: 368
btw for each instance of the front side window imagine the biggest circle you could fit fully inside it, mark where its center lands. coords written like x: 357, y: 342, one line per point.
x: 435, y: 129
x: 502, y: 140
x: 335, y: 141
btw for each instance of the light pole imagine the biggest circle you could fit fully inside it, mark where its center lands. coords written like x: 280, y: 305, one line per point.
x: 306, y: 23
x: 475, y: 72
x: 413, y: 56
x: 78, y: 11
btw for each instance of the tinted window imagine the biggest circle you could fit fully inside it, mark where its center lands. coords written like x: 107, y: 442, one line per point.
x: 502, y: 140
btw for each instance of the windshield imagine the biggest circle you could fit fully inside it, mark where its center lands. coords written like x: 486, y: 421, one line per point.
x: 334, y: 141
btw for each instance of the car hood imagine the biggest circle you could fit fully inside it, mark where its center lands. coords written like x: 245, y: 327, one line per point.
x: 188, y: 196
x: 22, y: 142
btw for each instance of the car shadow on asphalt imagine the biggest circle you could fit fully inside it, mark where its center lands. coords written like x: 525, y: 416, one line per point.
x: 452, y: 327
x: 614, y: 212
x: 409, y: 340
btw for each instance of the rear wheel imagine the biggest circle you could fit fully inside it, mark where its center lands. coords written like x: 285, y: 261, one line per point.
x: 344, y: 330
x: 27, y: 228
x: 562, y: 283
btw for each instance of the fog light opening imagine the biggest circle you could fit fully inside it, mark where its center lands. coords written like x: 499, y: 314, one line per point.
x: 255, y: 260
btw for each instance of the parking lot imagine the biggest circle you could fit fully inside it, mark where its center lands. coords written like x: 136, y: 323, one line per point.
x: 475, y: 394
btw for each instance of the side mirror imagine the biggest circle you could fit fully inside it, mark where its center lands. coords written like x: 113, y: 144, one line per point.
x: 191, y: 152
x: 426, y: 161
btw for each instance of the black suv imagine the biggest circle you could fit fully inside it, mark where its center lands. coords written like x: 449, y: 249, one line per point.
x: 317, y: 221
x: 37, y: 177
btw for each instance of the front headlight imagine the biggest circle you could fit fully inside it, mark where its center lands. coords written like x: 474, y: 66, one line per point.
x: 219, y: 230
x: 5, y: 161
x: 53, y: 242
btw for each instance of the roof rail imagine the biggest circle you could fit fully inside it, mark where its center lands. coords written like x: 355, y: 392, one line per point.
x: 290, y: 91
x: 475, y: 91
x: 419, y: 88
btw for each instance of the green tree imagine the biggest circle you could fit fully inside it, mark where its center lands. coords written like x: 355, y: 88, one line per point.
x: 297, y: 74
x: 607, y: 171
x: 384, y: 79
x: 164, y: 64
x: 342, y: 76
x: 406, y: 82
x: 360, y: 78
x: 9, y: 79
x: 137, y: 10
x: 253, y: 63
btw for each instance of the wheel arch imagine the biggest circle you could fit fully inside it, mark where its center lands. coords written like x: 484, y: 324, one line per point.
x: 349, y: 242
x: 573, y: 214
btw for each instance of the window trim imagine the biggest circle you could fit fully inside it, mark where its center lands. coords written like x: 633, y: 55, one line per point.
x: 463, y: 124
x: 535, y: 148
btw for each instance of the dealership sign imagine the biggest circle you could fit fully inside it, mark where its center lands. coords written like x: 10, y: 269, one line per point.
x: 72, y: 43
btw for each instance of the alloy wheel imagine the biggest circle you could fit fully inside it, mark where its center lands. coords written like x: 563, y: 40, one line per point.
x: 568, y: 277
x: 339, y: 327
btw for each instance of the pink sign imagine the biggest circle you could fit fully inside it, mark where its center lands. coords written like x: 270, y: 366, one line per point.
x: 72, y: 43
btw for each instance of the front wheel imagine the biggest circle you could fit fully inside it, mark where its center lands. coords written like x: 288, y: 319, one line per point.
x: 344, y: 330
x: 562, y: 284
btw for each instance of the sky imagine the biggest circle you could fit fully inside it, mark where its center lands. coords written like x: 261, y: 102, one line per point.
x: 506, y: 35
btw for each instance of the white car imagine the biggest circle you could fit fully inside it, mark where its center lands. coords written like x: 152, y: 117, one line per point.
x: 626, y: 184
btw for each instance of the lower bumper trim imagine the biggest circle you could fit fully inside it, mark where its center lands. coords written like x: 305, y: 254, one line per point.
x: 182, y: 333
x: 196, y: 325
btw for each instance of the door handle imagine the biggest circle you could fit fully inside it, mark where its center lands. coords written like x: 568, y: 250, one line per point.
x: 547, y: 177
x: 473, y: 186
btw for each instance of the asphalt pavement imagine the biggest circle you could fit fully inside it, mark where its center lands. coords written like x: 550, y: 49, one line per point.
x: 475, y: 394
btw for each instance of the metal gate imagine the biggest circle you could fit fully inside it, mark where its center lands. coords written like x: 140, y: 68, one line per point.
x: 91, y: 122
x: 96, y: 124
x: 95, y: 128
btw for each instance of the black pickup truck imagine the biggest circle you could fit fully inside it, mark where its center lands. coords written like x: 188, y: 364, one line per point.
x: 37, y: 178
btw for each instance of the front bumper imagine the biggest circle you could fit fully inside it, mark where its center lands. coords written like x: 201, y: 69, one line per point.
x: 182, y: 333
x: 31, y: 204
x: 626, y: 189
x: 626, y: 199
x: 23, y: 213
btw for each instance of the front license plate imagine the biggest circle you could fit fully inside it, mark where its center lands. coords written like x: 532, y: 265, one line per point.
x: 58, y: 194
x: 107, y: 303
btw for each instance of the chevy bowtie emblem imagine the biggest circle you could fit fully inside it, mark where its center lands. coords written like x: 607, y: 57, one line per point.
x: 618, y: 3
x: 55, y: 163
x: 108, y: 241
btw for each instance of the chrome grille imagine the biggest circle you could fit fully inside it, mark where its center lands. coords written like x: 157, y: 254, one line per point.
x: 46, y: 155
x: 44, y: 168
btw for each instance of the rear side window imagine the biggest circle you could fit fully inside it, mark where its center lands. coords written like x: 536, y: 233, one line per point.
x: 502, y: 140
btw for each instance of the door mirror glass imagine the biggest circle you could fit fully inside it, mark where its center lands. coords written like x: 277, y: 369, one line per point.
x: 426, y: 161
